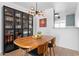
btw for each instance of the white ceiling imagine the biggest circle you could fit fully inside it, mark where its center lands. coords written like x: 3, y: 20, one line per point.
x: 60, y: 7
x: 40, y: 5
x: 65, y: 7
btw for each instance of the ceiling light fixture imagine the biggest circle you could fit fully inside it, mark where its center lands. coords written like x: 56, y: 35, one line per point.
x: 57, y: 15
x: 35, y: 11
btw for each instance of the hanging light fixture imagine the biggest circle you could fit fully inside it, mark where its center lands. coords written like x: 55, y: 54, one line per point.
x: 35, y: 11
x: 57, y: 15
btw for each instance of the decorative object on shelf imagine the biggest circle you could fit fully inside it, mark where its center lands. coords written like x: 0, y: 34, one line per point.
x: 42, y: 22
x: 18, y: 14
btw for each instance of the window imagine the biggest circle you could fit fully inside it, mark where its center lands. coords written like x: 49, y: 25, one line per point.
x: 60, y: 23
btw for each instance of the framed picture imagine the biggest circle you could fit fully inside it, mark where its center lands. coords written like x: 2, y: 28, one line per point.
x: 43, y: 22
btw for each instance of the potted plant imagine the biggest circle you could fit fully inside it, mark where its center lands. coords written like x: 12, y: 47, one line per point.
x: 39, y: 34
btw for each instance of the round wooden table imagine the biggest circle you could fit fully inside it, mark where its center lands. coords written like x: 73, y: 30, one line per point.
x: 31, y: 43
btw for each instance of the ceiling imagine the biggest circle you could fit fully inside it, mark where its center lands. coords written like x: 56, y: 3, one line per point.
x: 40, y: 5
x: 60, y: 7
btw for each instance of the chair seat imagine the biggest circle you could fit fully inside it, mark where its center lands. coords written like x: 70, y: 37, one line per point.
x: 50, y: 45
x: 34, y: 52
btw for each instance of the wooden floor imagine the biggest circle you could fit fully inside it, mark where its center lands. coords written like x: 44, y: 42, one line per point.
x: 59, y: 51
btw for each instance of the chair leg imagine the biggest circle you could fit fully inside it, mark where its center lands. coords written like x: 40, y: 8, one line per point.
x: 53, y: 51
x: 50, y: 51
x: 46, y: 53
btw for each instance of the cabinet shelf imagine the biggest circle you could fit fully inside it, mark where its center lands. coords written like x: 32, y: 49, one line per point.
x: 25, y: 28
x: 25, y: 19
x: 17, y: 17
x: 8, y: 21
x: 18, y: 28
x: 12, y: 16
x: 8, y: 15
x: 9, y: 28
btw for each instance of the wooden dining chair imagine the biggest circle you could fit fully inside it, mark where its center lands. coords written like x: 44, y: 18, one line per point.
x: 42, y: 50
x: 52, y: 45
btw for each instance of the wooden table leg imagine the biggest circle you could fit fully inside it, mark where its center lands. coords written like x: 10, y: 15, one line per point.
x: 26, y: 51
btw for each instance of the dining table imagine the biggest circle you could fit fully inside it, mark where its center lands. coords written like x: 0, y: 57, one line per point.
x: 30, y: 43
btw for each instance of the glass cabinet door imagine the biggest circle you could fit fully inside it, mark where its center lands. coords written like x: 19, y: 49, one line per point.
x: 30, y: 25
x: 9, y: 29
x: 9, y: 38
x: 25, y: 24
x: 18, y: 24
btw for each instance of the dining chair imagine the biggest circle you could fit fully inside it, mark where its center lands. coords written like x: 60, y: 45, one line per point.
x: 42, y: 50
x: 52, y: 45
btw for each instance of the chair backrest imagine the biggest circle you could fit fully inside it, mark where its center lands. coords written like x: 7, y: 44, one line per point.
x: 42, y: 49
x: 53, y: 41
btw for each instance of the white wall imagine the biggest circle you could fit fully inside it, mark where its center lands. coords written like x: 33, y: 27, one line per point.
x: 66, y: 37
x: 48, y: 12
x: 77, y: 16
x: 1, y: 26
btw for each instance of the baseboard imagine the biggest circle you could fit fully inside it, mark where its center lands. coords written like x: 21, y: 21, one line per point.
x: 68, y: 48
x: 1, y: 53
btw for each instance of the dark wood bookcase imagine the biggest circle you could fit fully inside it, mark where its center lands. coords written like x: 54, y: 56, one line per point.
x: 16, y: 24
